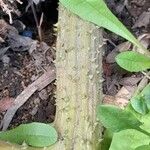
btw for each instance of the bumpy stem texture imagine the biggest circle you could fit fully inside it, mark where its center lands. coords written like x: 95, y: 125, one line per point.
x: 78, y: 63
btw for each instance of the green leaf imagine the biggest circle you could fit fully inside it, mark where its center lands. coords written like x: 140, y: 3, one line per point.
x: 146, y: 122
x: 146, y: 94
x: 141, y: 102
x: 143, y: 147
x: 106, y: 142
x: 133, y: 61
x: 34, y: 134
x: 116, y: 119
x: 96, y: 11
x: 132, y: 110
x: 129, y: 140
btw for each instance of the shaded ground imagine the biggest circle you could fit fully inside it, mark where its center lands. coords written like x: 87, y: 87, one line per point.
x: 22, y: 70
x: 135, y: 16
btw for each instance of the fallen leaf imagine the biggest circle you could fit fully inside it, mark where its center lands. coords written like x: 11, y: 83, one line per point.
x: 124, y: 95
x: 6, y: 103
x: 125, y: 46
x: 108, y: 99
x: 143, y: 20
x: 110, y: 58
x: 106, y: 68
x: 6, y: 29
x: 144, y: 40
x: 121, y: 99
x: 19, y: 25
x: 3, y: 51
x: 119, y: 48
x: 37, y: 85
x: 130, y: 81
x: 135, y: 7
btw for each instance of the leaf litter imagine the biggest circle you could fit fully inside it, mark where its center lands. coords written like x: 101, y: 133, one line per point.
x: 119, y: 88
x: 39, y: 84
x: 27, y: 68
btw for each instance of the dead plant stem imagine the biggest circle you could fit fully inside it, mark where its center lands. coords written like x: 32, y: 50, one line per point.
x: 38, y: 25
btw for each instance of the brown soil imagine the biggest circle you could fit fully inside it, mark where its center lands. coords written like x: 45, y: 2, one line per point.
x: 22, y: 71
x: 128, y: 13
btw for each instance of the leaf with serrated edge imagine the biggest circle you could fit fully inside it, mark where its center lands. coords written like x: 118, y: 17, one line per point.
x: 133, y: 61
x: 34, y: 134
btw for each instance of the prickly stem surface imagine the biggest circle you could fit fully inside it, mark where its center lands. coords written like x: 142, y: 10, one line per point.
x: 78, y: 63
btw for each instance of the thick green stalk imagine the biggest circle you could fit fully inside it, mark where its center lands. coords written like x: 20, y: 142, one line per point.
x: 78, y: 63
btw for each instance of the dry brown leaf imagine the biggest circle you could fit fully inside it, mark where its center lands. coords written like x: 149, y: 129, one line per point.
x: 108, y: 99
x: 130, y: 81
x: 135, y: 7
x: 111, y: 56
x: 3, y: 51
x: 6, y: 103
x: 124, y: 95
x: 120, y: 48
x: 143, y: 20
x: 6, y: 29
x: 144, y: 40
x: 121, y: 99
x: 124, y: 46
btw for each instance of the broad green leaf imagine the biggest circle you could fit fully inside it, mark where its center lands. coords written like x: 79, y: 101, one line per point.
x: 116, y: 119
x: 129, y: 140
x: 132, y: 110
x: 133, y: 61
x: 143, y: 147
x: 96, y: 11
x: 33, y: 134
x: 141, y: 102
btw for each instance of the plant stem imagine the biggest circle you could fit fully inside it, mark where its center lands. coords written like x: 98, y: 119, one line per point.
x: 78, y: 63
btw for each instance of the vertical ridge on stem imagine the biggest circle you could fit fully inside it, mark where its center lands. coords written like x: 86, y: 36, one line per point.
x: 78, y: 63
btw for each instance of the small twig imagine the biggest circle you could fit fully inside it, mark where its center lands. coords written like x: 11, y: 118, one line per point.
x: 110, y: 41
x: 39, y: 28
x: 38, y: 24
x: 34, y: 13
x: 6, y: 9
x: 9, y: 9
x: 19, y: 1
x: 146, y: 74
